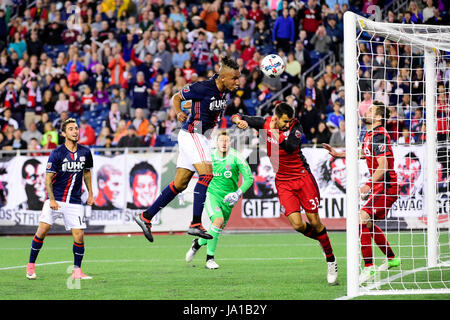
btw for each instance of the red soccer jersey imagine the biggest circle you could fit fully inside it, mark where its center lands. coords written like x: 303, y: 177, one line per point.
x: 377, y: 143
x: 287, y: 165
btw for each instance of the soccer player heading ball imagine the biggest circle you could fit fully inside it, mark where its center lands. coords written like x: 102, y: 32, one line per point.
x: 295, y: 183
x: 208, y: 103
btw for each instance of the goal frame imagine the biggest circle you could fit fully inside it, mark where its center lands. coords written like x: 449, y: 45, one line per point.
x: 352, y: 157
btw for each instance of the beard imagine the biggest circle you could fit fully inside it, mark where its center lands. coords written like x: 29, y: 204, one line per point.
x: 366, y: 121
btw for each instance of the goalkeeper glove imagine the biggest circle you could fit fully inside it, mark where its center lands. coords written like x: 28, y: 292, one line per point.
x: 233, y: 197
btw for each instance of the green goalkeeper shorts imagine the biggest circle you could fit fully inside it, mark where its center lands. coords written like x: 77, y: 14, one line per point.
x: 216, y: 208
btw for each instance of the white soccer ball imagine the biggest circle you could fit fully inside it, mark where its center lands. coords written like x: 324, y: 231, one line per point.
x: 272, y: 66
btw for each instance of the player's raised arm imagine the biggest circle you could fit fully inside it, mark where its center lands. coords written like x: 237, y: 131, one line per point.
x: 243, y: 121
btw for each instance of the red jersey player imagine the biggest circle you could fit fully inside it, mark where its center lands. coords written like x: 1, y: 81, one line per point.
x: 380, y: 192
x: 295, y: 184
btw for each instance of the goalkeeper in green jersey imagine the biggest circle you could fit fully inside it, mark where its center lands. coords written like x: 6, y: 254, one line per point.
x: 223, y: 193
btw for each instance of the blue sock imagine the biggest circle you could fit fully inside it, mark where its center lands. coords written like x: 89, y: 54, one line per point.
x: 78, y: 253
x: 200, y: 196
x: 36, y: 246
x: 167, y: 195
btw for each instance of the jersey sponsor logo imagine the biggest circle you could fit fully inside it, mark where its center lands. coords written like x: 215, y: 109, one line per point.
x: 72, y: 166
x: 217, y: 104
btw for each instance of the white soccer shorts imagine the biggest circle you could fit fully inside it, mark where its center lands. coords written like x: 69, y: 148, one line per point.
x: 193, y: 148
x: 72, y: 214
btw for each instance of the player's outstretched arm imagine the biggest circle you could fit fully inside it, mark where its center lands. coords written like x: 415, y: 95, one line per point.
x: 333, y: 152
x: 243, y: 121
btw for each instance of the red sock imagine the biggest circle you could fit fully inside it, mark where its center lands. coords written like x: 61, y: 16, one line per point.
x: 381, y: 241
x: 324, y: 241
x: 366, y: 245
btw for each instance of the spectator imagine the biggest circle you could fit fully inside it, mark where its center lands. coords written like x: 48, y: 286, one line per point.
x: 124, y: 103
x: 335, y: 117
x: 150, y: 138
x: 113, y: 118
x: 87, y: 134
x: 101, y: 139
x: 117, y: 67
x: 34, y: 100
x: 293, y: 68
x: 317, y: 97
x: 180, y: 56
x: 8, y: 120
x: 19, y: 46
x: 338, y: 137
x: 237, y: 106
x: 130, y: 140
x: 18, y: 143
x: 428, y: 11
x: 210, y: 15
x: 321, y: 42
x: 120, y: 132
x: 32, y: 133
x: 101, y: 95
x: 309, y: 118
x: 140, y: 91
x: 283, y: 33
x: 50, y: 137
x: 75, y: 104
x: 62, y: 104
x: 322, y: 135
x: 165, y: 56
x: 139, y: 122
x: 33, y: 145
x: 310, y: 17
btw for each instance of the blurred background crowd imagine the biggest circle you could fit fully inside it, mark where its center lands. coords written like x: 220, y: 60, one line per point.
x: 115, y: 64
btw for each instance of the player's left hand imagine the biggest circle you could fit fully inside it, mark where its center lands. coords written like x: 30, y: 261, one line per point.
x: 233, y: 197
x: 364, y: 191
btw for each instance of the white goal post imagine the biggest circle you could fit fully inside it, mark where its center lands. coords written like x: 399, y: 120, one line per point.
x: 420, y: 237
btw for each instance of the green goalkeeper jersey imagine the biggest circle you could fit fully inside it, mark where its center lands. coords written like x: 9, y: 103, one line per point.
x: 226, y: 173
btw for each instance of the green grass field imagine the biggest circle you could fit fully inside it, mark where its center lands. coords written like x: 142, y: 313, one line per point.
x: 268, y: 266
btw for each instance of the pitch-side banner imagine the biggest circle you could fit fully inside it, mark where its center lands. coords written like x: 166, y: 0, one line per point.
x: 126, y: 184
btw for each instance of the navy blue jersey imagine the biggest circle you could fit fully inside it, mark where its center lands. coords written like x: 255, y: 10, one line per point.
x: 69, y: 168
x: 208, y: 104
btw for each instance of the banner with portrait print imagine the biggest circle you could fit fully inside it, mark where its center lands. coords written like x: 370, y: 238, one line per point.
x: 126, y: 184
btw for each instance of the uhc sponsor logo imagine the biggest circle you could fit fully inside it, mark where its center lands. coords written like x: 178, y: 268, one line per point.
x: 72, y: 166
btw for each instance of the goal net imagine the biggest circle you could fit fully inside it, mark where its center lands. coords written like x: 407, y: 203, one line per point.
x: 407, y: 68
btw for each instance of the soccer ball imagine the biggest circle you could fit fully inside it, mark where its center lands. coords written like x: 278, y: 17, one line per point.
x: 272, y: 66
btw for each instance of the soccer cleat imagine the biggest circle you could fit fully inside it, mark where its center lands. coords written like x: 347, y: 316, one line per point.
x: 30, y: 271
x: 367, y: 274
x: 192, y: 251
x: 198, y: 230
x: 78, y: 274
x: 145, y: 225
x: 332, y: 274
x: 389, y: 263
x: 211, y: 264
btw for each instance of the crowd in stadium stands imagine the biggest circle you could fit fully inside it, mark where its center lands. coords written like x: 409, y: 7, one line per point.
x: 114, y: 65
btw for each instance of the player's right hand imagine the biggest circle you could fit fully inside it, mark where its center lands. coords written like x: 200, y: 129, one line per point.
x: 54, y: 205
x: 242, y: 124
x: 181, y: 116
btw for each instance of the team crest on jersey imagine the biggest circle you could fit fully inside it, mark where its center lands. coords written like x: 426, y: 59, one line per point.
x: 282, y: 209
x: 298, y: 134
x: 49, y: 165
x: 382, y: 147
x: 228, y: 174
